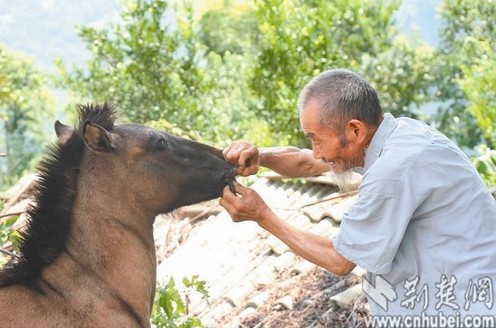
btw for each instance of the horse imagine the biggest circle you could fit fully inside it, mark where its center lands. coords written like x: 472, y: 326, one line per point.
x: 87, y: 256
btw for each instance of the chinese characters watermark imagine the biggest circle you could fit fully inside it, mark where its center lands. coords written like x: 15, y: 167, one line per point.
x: 479, y: 291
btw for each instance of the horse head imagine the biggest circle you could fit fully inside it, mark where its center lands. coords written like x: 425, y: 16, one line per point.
x: 161, y: 171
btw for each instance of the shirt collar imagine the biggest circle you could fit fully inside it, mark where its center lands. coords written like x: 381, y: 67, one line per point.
x: 376, y: 145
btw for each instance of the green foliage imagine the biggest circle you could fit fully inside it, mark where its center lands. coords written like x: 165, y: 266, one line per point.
x: 24, y: 112
x: 170, y: 308
x: 235, y: 73
x: 230, y: 98
x: 229, y: 29
x: 485, y: 163
x: 479, y: 87
x: 301, y: 38
x: 9, y: 235
x: 151, y: 68
x: 402, y: 76
x: 468, y: 38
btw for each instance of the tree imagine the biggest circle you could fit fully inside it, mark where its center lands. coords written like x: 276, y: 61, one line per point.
x: 236, y: 71
x: 232, y: 29
x: 479, y: 87
x: 464, y: 67
x: 151, y: 67
x: 301, y: 38
x: 24, y: 111
x: 155, y: 67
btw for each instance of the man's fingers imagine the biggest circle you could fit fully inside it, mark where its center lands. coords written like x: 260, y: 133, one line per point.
x: 240, y: 189
x: 245, y: 205
x: 246, y: 158
x: 231, y: 154
x: 229, y: 203
x: 243, y: 155
x: 229, y: 196
x: 227, y: 193
x: 225, y: 152
x: 224, y: 203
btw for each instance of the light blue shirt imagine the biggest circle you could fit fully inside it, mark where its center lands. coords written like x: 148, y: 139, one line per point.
x: 424, y: 225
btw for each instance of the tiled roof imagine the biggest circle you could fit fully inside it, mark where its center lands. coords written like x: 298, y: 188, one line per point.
x: 243, y: 265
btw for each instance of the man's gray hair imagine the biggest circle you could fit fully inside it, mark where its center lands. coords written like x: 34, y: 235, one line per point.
x: 343, y: 96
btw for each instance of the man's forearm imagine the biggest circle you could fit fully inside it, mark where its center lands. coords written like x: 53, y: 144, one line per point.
x: 291, y: 161
x: 314, y: 248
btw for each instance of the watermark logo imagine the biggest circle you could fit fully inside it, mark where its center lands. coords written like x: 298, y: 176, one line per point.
x: 413, y: 296
x: 479, y: 291
x: 438, y: 320
x: 446, y: 293
x: 482, y: 292
x: 381, y: 291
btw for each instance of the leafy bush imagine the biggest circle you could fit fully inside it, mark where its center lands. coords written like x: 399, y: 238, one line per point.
x: 8, y: 235
x: 485, y: 164
x: 170, y: 308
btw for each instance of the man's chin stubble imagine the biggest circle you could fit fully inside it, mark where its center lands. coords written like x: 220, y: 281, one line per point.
x: 343, y: 178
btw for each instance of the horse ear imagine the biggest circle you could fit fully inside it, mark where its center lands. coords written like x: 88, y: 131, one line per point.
x: 64, y: 132
x: 97, y: 138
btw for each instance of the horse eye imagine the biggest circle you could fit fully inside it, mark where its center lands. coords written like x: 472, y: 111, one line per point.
x: 161, y: 145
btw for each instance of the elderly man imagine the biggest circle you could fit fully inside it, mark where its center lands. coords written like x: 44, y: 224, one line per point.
x: 424, y: 225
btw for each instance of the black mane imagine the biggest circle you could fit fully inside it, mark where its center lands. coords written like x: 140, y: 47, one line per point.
x: 50, y: 218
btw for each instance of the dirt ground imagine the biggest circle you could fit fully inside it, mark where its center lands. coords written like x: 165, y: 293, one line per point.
x: 313, y: 307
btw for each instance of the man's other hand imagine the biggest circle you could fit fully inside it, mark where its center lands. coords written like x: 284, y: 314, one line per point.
x: 245, y: 205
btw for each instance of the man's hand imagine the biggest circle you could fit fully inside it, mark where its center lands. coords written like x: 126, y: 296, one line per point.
x: 247, y: 205
x: 244, y: 155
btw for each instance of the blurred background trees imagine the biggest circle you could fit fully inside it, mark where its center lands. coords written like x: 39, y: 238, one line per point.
x: 465, y: 72
x: 25, y: 109
x: 298, y: 39
x: 233, y: 70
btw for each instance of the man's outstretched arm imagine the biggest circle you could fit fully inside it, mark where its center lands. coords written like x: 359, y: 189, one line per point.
x: 288, y: 161
x: 317, y: 249
x: 292, y: 162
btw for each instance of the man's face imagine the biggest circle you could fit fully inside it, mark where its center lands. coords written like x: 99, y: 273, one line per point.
x: 343, y: 152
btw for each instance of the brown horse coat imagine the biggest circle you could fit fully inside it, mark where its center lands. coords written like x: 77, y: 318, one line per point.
x: 88, y: 255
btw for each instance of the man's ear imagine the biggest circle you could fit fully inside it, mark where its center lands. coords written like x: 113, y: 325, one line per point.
x: 63, y: 132
x: 357, y: 130
x: 97, y: 138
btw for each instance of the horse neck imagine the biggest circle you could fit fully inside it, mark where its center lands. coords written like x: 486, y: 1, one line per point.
x: 111, y: 248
